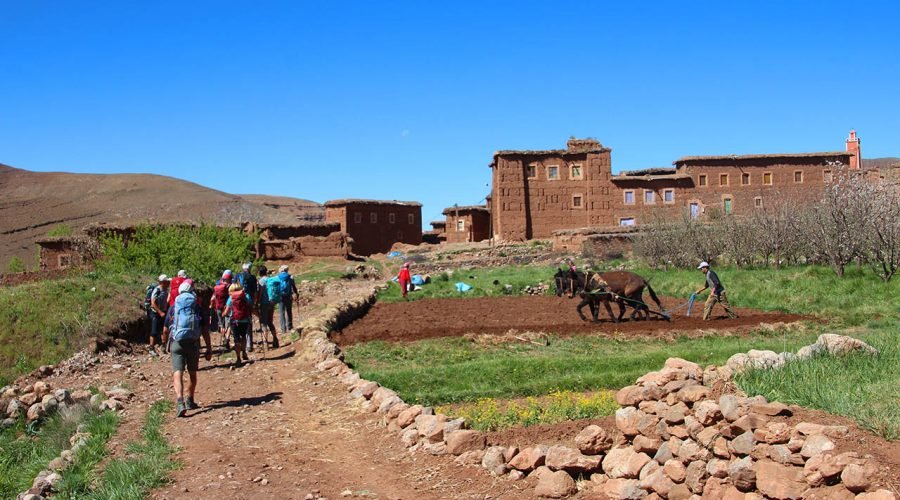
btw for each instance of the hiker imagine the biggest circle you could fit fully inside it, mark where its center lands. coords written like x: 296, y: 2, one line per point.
x: 238, y: 308
x: 220, y: 297
x: 187, y: 328
x: 159, y: 305
x: 716, y: 294
x: 249, y: 285
x: 176, y: 285
x: 404, y: 279
x: 269, y: 295
x: 289, y: 295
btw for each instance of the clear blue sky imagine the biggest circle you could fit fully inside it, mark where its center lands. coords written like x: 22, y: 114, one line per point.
x: 408, y: 100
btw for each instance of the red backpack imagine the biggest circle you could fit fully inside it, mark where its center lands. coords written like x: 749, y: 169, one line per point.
x: 239, y: 306
x: 220, y: 296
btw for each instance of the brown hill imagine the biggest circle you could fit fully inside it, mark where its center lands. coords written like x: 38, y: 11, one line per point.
x: 880, y: 162
x: 32, y: 203
x: 303, y: 210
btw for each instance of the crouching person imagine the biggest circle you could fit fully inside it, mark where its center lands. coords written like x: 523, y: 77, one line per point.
x: 187, y: 328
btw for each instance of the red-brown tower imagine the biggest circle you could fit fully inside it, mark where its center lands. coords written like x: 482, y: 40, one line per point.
x: 853, y: 147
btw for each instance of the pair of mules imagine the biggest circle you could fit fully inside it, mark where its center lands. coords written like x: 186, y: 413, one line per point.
x: 622, y: 287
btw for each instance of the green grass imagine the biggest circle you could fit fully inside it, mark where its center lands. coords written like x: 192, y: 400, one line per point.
x: 146, y: 466
x: 25, y: 451
x: 489, y: 414
x: 45, y: 322
x: 481, y: 279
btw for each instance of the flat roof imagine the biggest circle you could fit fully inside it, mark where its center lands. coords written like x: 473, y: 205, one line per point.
x: 827, y: 154
x: 467, y: 208
x: 358, y: 201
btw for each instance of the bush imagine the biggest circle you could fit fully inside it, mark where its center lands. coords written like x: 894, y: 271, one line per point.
x: 60, y: 231
x: 489, y: 414
x: 15, y: 265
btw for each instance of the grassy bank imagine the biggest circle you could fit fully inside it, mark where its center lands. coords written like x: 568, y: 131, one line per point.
x: 45, y: 322
x: 481, y: 279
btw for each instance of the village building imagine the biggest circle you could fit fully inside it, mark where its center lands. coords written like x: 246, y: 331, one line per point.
x: 467, y: 224
x: 437, y: 234
x: 376, y: 225
x: 66, y: 252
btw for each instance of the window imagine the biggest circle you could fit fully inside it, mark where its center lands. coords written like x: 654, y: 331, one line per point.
x: 726, y: 206
x: 64, y: 261
x: 626, y: 221
x: 575, y: 172
x: 373, y: 218
x: 649, y: 197
x: 576, y: 201
x: 460, y: 225
x: 392, y: 218
x: 695, y: 210
x: 745, y: 179
x: 798, y: 176
x: 767, y: 178
x: 668, y: 196
x: 553, y: 172
x: 757, y: 202
x: 701, y: 180
x: 723, y: 179
x: 357, y: 217
x: 399, y: 235
x: 629, y: 197
x: 411, y: 218
x: 826, y: 176
x: 531, y: 171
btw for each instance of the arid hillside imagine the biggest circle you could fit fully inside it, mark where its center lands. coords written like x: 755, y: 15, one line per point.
x: 33, y: 203
x: 304, y: 210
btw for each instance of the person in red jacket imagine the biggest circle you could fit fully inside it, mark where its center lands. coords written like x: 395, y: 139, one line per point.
x: 405, y: 279
x: 175, y: 285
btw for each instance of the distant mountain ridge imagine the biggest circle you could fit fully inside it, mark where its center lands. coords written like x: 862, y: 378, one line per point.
x: 880, y: 162
x: 32, y: 203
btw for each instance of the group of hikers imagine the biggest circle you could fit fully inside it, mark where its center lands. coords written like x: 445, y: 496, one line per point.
x: 182, y: 312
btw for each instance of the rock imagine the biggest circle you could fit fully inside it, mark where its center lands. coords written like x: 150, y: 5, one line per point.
x: 112, y: 404
x: 470, y: 458
x: 771, y: 409
x: 858, y: 477
x: 730, y: 407
x: 764, y: 360
x: 841, y: 345
x: 431, y: 427
x: 779, y: 481
x: 780, y: 453
x: 832, y: 431
x: 692, y: 394
x: 515, y: 475
x: 743, y: 474
x: 81, y: 395
x: 388, y: 403
x: 58, y: 464
x: 408, y: 416
x: 663, y: 454
x: 680, y: 492
x: 695, y: 476
x: 720, y: 448
x: 810, y: 351
x: 647, y: 425
x: 436, y: 449
x: 35, y: 412
x: 14, y: 408
x: 715, y: 488
x: 571, y: 460
x: 674, y: 470
x: 461, y: 441
x: 29, y: 398
x: 7, y: 422
x: 409, y: 437
x: 456, y: 424
x: 555, y: 485
x: 629, y: 395
x: 675, y: 414
x: 620, y: 488
x: 494, y: 460
x: 643, y: 444
x: 120, y: 393
x: 63, y: 396
x: 40, y: 389
x: 833, y: 465
x: 707, y: 436
x: 690, y: 451
x: 381, y: 394
x: 692, y: 369
x: 836, y: 492
x: 529, y: 458
x: 877, y: 495
x: 624, y: 463
x: 627, y: 420
x: 49, y: 403
x: 707, y: 412
x: 738, y: 362
x: 96, y: 399
x: 777, y: 433
x: 743, y: 444
x: 328, y: 364
x: 648, y: 469
x: 717, y: 468
x: 657, y: 482
x: 593, y: 440
x: 747, y: 422
x: 816, y: 445
x: 364, y: 389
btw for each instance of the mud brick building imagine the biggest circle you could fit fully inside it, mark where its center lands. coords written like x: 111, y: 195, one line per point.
x: 437, y: 234
x: 375, y: 225
x: 467, y: 224
x: 67, y: 252
x: 537, y: 193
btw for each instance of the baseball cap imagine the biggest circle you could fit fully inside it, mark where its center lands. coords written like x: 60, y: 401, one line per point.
x: 163, y: 277
x: 703, y: 264
x: 185, y: 287
x: 182, y: 274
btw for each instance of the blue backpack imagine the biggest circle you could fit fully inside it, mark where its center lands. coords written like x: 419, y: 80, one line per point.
x: 186, y: 322
x: 274, y: 289
x: 286, y: 280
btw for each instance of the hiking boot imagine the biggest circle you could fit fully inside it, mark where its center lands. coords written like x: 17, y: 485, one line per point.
x: 180, y: 409
x: 153, y: 352
x: 275, y: 343
x: 190, y: 404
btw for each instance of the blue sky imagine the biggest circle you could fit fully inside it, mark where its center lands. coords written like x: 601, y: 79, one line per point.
x: 408, y: 100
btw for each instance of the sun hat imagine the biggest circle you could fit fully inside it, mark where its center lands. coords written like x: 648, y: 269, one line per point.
x: 703, y: 264
x: 246, y: 267
x: 185, y: 287
x: 226, y: 275
x: 283, y: 268
x: 163, y: 277
x: 182, y: 274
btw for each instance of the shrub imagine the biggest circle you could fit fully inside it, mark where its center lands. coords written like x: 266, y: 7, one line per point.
x: 15, y: 265
x: 489, y: 414
x: 60, y: 230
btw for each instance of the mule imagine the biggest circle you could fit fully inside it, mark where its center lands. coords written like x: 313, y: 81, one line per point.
x: 623, y: 287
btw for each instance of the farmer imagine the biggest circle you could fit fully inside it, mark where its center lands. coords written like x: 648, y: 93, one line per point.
x: 572, y: 272
x: 717, y: 292
x: 289, y: 295
x: 186, y: 332
x: 405, y: 279
x: 159, y: 305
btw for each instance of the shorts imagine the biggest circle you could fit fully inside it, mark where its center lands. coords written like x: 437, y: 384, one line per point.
x: 222, y: 320
x: 239, y: 331
x: 185, y: 354
x: 156, y: 326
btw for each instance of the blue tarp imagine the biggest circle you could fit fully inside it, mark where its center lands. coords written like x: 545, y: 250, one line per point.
x: 417, y: 280
x: 462, y: 287
x: 394, y: 255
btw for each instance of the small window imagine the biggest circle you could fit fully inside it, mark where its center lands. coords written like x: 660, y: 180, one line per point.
x: 460, y: 225
x: 626, y: 221
x: 695, y: 210
x: 757, y: 202
x: 629, y: 197
x: 826, y: 176
x: 64, y: 261
x: 553, y: 172
x: 767, y: 178
x: 745, y: 179
x: 723, y: 179
x: 701, y: 180
x: 575, y: 172
x: 531, y: 171
x: 411, y: 218
x: 399, y: 235
x: 576, y: 201
x: 649, y: 197
x: 357, y: 217
x: 392, y: 218
x: 373, y: 218
x: 669, y: 196
x: 726, y: 206
x: 798, y: 176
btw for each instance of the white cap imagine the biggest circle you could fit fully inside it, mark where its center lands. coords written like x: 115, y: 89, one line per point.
x: 246, y: 267
x: 282, y: 268
x: 703, y: 264
x: 182, y: 274
x: 163, y: 277
x: 185, y: 287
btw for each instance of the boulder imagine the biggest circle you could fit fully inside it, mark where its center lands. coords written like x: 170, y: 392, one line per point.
x: 627, y: 420
x: 408, y: 416
x: 494, y: 460
x: 436, y: 449
x: 364, y: 389
x: 675, y: 470
x: 663, y: 454
x: 858, y: 477
x: 675, y: 414
x: 643, y: 444
x: 624, y: 463
x: 388, y: 403
x: 657, y: 482
x: 832, y: 431
x: 695, y: 476
x: 737, y: 363
x: 593, y: 440
x: 743, y: 444
x: 49, y: 403
x: 707, y: 436
x: 811, y: 351
x: 63, y: 396
x: 690, y: 451
x: 781, y: 482
x: 14, y: 408
x: 764, y: 360
x: 529, y: 458
x: 707, y: 412
x: 381, y: 394
x: 717, y: 468
x: 833, y: 465
x: 29, y: 398
x: 555, y: 485
x: 841, y: 345
x: 409, y: 437
x: 470, y: 458
x: 571, y: 460
x: 622, y: 489
x: 743, y: 474
x: 816, y: 445
x: 40, y: 389
x: 692, y: 394
x: 771, y: 409
x: 461, y: 441
x: 777, y: 433
x: 454, y: 425
x: 730, y: 407
x: 35, y: 412
x: 629, y: 395
x: 431, y: 427
x: 690, y: 368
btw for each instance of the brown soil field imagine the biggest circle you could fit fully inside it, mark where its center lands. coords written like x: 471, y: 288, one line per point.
x: 431, y: 318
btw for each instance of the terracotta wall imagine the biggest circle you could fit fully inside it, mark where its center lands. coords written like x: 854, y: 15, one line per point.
x: 475, y: 226
x: 336, y: 244
x: 375, y: 228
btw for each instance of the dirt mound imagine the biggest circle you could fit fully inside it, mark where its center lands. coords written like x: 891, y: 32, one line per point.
x: 303, y: 210
x: 422, y: 319
x: 32, y: 203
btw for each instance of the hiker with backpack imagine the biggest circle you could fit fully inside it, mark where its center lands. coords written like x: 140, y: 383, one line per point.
x: 219, y: 300
x: 250, y: 287
x: 175, y: 285
x: 269, y: 295
x: 239, y: 307
x: 157, y: 304
x: 289, y: 295
x: 187, y: 328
